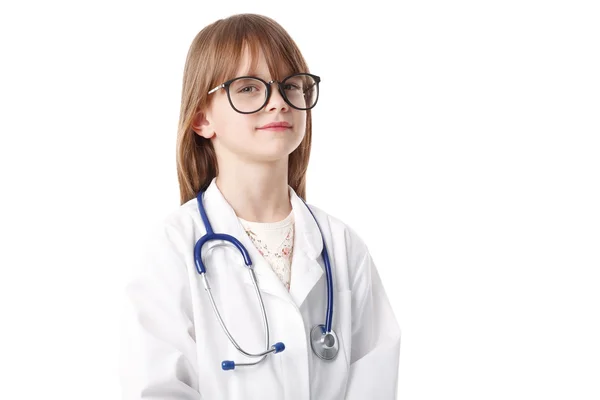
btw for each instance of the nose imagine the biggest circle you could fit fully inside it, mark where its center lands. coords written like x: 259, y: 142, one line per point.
x: 276, y: 100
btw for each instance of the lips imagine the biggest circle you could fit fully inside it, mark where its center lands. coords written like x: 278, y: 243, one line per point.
x: 274, y: 125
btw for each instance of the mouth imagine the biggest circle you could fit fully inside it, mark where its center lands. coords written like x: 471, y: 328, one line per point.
x: 276, y: 126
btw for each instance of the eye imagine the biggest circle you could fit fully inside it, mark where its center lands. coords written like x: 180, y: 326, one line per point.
x: 248, y: 89
x: 291, y: 86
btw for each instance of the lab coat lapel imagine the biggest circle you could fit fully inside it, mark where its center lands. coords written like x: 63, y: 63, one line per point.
x: 305, y: 270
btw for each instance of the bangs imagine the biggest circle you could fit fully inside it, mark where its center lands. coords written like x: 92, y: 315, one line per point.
x: 246, y: 33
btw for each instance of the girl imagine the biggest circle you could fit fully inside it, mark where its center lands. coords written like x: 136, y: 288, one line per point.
x: 242, y: 153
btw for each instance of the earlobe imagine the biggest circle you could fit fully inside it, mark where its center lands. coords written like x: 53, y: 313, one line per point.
x: 202, y: 126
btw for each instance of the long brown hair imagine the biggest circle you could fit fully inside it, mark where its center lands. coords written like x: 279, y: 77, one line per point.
x: 213, y: 58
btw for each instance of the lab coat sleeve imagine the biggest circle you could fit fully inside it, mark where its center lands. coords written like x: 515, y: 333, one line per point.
x: 375, y: 353
x: 158, y: 354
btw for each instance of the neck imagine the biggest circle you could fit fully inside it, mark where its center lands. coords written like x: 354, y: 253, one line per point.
x: 257, y: 192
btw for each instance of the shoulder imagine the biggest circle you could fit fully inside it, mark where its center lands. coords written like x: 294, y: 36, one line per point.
x: 177, y: 228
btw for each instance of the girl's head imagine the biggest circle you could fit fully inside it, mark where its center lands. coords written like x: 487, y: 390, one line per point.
x: 225, y: 121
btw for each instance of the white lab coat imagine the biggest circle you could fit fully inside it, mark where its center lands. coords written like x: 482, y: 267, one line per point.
x: 173, y: 345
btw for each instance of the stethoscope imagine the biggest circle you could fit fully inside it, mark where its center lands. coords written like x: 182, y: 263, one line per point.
x: 323, y: 340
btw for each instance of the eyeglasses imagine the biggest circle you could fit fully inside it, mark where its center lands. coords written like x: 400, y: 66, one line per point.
x: 249, y: 94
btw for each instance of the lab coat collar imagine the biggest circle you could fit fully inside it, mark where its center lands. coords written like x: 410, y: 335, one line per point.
x: 306, y: 270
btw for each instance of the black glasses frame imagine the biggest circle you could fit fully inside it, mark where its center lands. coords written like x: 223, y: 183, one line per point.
x: 225, y: 85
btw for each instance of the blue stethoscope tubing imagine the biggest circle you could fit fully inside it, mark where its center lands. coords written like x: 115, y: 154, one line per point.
x: 324, y: 341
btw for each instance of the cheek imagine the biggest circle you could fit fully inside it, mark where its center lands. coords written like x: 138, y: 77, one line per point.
x: 300, y: 122
x: 227, y: 123
x: 233, y: 126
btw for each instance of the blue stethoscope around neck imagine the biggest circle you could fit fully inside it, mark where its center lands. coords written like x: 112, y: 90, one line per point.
x: 323, y: 340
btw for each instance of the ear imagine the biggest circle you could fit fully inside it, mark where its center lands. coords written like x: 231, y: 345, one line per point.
x: 202, y: 126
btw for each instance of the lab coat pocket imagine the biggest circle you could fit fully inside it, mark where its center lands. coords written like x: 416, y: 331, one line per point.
x: 344, y: 322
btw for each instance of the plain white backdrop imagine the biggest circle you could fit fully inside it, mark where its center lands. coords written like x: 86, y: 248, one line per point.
x: 459, y: 139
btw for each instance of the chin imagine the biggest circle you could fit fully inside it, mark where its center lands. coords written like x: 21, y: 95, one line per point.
x: 272, y: 156
x: 272, y: 153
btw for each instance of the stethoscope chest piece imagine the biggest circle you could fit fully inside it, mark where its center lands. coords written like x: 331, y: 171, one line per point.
x: 324, y: 344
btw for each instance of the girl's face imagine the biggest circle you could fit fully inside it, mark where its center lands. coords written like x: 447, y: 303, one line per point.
x: 240, y: 135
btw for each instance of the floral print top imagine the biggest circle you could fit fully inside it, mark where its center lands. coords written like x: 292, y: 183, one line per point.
x: 275, y: 242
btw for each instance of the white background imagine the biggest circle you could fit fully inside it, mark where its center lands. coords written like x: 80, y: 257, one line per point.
x: 460, y: 139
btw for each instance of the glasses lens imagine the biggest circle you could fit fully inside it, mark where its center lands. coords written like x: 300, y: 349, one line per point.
x: 301, y: 90
x: 247, y: 94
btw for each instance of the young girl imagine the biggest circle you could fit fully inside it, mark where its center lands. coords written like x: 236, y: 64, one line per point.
x: 242, y: 153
